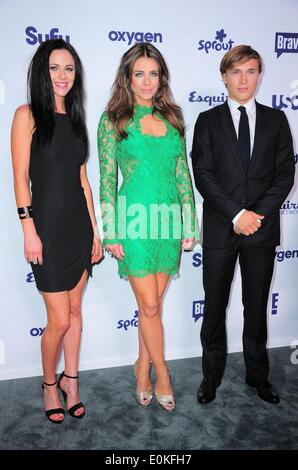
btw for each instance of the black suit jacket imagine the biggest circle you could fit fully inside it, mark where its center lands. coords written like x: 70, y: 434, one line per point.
x: 227, y: 188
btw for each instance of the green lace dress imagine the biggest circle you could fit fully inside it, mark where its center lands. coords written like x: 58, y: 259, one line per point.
x: 154, y: 207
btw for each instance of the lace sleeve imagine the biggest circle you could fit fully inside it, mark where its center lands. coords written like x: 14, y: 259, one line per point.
x: 186, y: 197
x: 108, y: 178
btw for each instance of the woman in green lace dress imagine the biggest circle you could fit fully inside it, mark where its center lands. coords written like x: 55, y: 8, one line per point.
x: 152, y: 216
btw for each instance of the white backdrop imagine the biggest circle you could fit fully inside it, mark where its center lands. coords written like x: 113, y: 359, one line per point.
x: 193, y: 35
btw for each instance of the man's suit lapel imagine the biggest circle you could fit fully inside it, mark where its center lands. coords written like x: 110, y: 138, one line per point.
x: 259, y: 137
x: 230, y: 133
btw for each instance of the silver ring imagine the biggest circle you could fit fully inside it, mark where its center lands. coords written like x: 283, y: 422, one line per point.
x: 34, y: 261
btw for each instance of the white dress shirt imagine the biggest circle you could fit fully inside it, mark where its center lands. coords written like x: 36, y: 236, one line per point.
x: 250, y: 108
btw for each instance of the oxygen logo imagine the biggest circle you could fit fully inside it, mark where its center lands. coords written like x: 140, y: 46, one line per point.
x: 218, y: 44
x: 274, y: 303
x: 127, y: 323
x: 198, y: 309
x: 30, y: 277
x: 281, y: 255
x: 33, y: 37
x: 37, y: 331
x: 286, y: 43
x: 131, y: 37
x: 2, y: 92
x: 194, y: 97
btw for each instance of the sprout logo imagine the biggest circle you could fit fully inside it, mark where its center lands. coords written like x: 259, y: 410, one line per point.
x: 127, y: 323
x: 218, y: 44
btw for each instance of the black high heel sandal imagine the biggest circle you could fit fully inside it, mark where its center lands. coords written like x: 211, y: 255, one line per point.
x: 53, y: 411
x: 75, y: 407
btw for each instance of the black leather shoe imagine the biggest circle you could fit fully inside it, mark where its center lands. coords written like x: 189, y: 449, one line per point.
x: 265, y: 391
x: 206, y: 392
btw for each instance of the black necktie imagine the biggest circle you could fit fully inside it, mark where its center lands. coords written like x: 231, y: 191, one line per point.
x: 244, y: 136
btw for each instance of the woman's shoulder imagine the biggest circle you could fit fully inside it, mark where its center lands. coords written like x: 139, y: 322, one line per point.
x: 23, y: 117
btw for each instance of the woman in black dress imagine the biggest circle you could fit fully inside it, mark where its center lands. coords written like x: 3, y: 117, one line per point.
x: 61, y: 241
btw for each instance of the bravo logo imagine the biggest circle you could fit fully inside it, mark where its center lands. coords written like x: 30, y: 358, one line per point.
x: 33, y: 37
x: 198, y: 309
x: 218, y: 43
x: 131, y: 37
x: 286, y: 43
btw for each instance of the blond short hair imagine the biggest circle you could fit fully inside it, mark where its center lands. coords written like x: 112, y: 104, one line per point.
x: 239, y: 54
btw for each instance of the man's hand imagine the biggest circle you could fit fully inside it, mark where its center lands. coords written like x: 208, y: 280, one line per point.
x: 248, y: 223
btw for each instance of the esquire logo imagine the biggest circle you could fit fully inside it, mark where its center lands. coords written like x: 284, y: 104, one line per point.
x: 219, y: 43
x: 33, y: 37
x: 210, y: 100
x: 134, y: 36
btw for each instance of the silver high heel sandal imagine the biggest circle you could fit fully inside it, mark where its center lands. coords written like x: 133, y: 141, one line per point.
x: 167, y: 402
x: 143, y: 397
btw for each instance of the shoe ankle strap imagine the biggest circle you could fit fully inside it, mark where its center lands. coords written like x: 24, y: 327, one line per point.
x: 70, y: 376
x: 50, y: 385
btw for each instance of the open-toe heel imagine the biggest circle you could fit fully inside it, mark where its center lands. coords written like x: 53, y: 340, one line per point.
x: 166, y: 402
x: 53, y: 411
x: 143, y: 397
x: 75, y: 407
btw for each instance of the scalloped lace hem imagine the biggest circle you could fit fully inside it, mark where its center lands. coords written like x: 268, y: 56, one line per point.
x: 143, y: 273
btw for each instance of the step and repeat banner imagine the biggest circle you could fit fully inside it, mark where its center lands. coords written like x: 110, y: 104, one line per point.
x: 193, y: 36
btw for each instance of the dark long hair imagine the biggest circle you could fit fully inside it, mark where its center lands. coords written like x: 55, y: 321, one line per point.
x: 41, y: 96
x: 120, y: 108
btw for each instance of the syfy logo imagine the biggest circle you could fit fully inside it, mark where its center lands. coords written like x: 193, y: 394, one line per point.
x: 198, y: 309
x: 286, y: 43
x: 194, y: 97
x: 132, y: 37
x: 33, y: 37
x: 217, y: 44
x: 30, y: 277
x: 282, y: 255
x: 37, y: 331
x: 197, y: 260
x: 289, y: 208
x: 128, y: 323
x: 2, y: 92
x: 274, y: 303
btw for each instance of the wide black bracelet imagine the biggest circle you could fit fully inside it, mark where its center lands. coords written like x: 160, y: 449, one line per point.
x: 25, y: 212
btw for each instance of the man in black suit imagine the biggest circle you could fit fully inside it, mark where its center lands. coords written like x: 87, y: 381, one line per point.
x: 243, y: 164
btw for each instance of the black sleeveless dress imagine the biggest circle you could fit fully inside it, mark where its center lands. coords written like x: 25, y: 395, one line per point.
x: 60, y: 210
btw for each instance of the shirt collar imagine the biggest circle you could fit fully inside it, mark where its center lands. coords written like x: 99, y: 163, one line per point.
x: 250, y: 106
